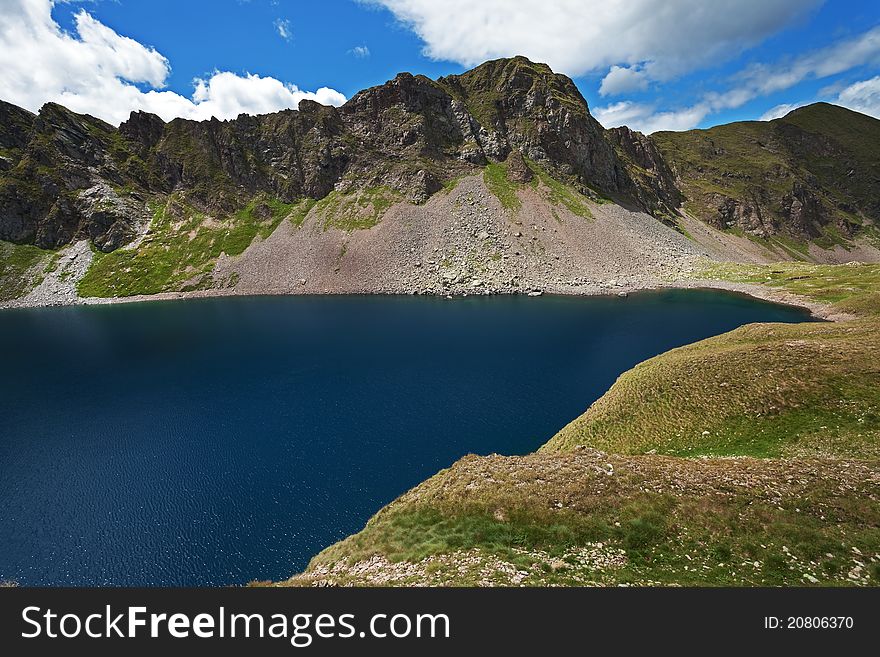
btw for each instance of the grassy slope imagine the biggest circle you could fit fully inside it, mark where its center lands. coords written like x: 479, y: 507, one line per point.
x: 182, y: 245
x: 590, y: 517
x: 181, y: 248
x: 853, y: 289
x: 358, y: 210
x: 557, y: 193
x: 20, y: 268
x: 763, y: 390
x: 821, y: 147
x: 638, y: 512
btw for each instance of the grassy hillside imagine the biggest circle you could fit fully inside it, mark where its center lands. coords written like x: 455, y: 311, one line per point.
x: 750, y: 458
x: 761, y: 390
x: 21, y: 268
x: 594, y: 518
x: 811, y: 175
x: 852, y: 289
x: 181, y: 248
x: 558, y: 194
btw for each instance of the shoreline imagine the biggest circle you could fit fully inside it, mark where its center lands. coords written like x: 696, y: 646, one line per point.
x: 818, y: 310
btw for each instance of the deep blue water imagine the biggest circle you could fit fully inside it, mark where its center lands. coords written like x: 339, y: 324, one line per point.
x: 216, y: 441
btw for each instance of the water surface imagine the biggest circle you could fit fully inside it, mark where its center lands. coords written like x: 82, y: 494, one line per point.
x: 216, y: 441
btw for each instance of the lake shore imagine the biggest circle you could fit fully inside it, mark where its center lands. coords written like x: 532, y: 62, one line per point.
x: 819, y: 310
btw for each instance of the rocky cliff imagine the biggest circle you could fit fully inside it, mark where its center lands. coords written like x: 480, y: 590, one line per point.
x: 66, y: 176
x: 198, y: 190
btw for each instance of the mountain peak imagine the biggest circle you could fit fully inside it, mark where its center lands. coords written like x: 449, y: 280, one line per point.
x: 822, y: 109
x: 411, y: 135
x: 511, y: 77
x: 846, y: 126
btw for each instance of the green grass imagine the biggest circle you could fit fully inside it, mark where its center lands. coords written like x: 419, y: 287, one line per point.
x: 300, y: 210
x: 450, y: 184
x: 763, y: 390
x: 796, y: 249
x: 831, y: 237
x: 358, y: 210
x: 673, y: 521
x: 19, y: 268
x: 827, y: 150
x: 704, y: 158
x: 849, y: 288
x: 504, y: 189
x: 557, y: 193
x: 681, y: 229
x: 11, y: 154
x: 783, y: 245
x: 560, y: 194
x: 181, y: 248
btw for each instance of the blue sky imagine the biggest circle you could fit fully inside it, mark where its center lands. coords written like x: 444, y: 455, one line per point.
x: 652, y: 65
x: 199, y: 36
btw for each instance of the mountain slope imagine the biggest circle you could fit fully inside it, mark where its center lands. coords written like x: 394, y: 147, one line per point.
x: 812, y: 175
x: 410, y: 135
x: 189, y: 206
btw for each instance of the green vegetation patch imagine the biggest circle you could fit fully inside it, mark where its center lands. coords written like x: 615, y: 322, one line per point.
x: 180, y: 249
x: 504, y: 189
x: 828, y: 151
x: 450, y: 184
x: 853, y: 288
x: 358, y: 210
x: 763, y: 390
x: 559, y: 193
x: 20, y: 268
x: 591, y: 518
x: 300, y: 210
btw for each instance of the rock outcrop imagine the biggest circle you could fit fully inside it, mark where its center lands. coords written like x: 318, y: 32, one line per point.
x: 68, y: 176
x: 64, y: 176
x: 656, y: 188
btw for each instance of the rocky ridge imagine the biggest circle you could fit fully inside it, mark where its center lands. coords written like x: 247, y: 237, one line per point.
x: 377, y: 172
x: 70, y: 176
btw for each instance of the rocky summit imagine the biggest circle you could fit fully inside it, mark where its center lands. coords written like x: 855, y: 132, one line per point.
x: 182, y: 206
x: 411, y: 135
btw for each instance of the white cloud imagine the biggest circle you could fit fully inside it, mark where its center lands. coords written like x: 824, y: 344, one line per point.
x: 645, y: 118
x: 577, y: 36
x: 760, y: 80
x: 360, y: 52
x: 822, y: 63
x: 227, y: 94
x: 625, y: 112
x: 862, y: 97
x: 100, y: 72
x: 778, y: 112
x: 623, y: 79
x: 282, y: 26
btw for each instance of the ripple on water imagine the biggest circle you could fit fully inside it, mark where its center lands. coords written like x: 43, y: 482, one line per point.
x: 216, y: 441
